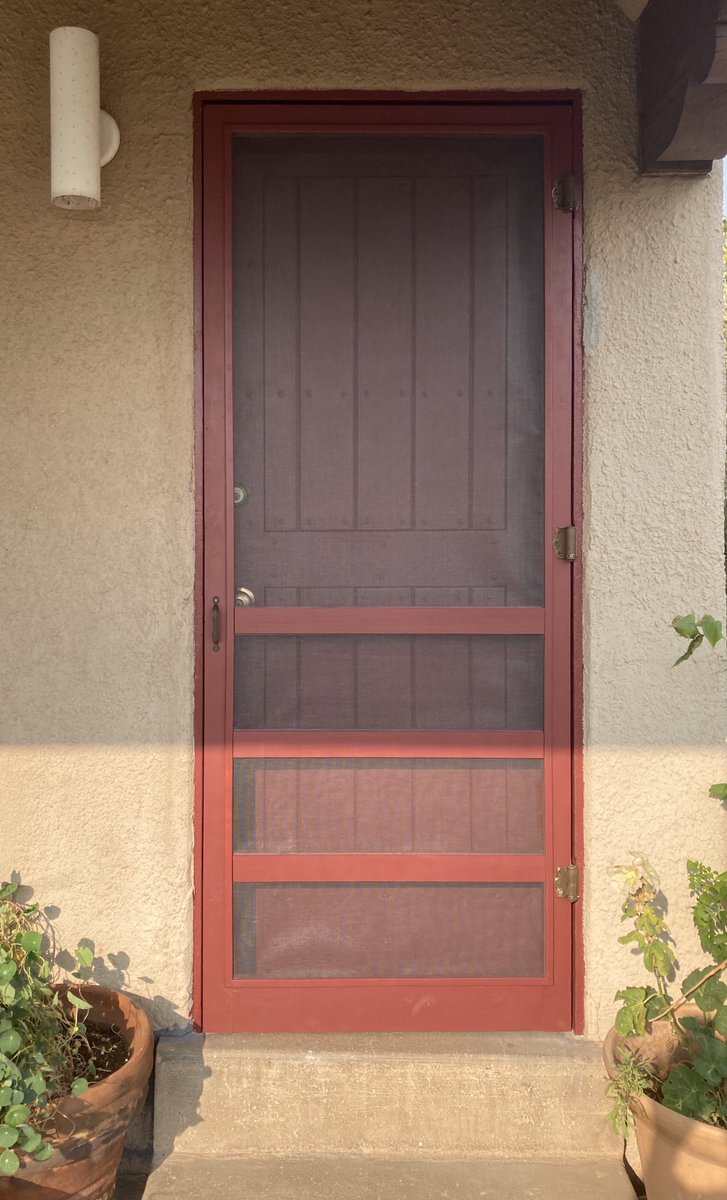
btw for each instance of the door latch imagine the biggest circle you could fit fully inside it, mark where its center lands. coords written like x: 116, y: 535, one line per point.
x: 568, y: 883
x: 244, y: 597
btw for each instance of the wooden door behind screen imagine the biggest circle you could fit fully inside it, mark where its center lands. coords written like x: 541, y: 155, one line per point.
x: 391, y: 777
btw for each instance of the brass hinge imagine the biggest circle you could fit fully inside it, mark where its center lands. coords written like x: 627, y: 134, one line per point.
x: 565, y: 193
x: 568, y: 882
x: 565, y: 543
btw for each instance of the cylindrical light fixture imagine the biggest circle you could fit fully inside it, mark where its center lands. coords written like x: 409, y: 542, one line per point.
x: 83, y: 138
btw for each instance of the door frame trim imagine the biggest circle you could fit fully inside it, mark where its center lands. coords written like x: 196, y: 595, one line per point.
x: 203, y: 102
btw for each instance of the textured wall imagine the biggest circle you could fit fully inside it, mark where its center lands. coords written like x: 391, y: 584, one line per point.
x: 97, y: 504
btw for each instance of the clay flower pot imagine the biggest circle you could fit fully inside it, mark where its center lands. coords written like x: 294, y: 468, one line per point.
x: 682, y: 1159
x: 89, y: 1131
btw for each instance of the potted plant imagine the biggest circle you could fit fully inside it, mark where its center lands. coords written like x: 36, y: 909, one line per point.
x: 667, y: 1054
x: 75, y: 1061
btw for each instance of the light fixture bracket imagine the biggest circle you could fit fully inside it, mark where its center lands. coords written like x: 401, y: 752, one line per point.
x: 110, y: 138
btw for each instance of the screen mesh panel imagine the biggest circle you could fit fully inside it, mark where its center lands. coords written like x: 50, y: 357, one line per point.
x: 388, y: 931
x: 389, y: 682
x: 379, y: 806
x: 389, y: 370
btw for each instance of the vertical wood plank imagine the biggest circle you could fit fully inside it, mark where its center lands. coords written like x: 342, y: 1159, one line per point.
x: 327, y: 683
x: 525, y: 455
x: 248, y: 368
x: 326, y: 807
x: 443, y: 274
x: 488, y: 682
x: 327, y: 318
x: 525, y: 809
x: 488, y: 791
x: 281, y: 354
x: 442, y: 810
x: 278, y: 788
x: 489, y: 353
x: 525, y: 682
x: 281, y: 690
x: 384, y: 353
x: 383, y: 683
x: 383, y: 808
x: 441, y: 683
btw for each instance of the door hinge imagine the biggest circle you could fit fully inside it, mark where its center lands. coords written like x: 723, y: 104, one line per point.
x: 568, y: 883
x: 565, y: 193
x: 565, y: 543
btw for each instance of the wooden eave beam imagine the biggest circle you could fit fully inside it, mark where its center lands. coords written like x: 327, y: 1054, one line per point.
x: 682, y: 85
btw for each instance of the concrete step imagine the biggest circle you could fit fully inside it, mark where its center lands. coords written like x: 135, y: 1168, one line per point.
x: 186, y: 1177
x: 500, y: 1096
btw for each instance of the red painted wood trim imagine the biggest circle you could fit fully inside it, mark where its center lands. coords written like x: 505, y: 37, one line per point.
x: 484, y: 100
x: 197, y: 859
x: 386, y: 744
x: 411, y: 1006
x: 388, y: 868
x: 579, y: 845
x: 413, y: 118
x: 558, y: 574
x: 390, y: 620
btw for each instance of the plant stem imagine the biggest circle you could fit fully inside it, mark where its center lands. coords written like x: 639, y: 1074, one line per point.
x: 685, y: 995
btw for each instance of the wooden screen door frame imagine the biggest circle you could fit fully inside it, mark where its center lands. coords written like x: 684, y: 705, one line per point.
x: 326, y: 1004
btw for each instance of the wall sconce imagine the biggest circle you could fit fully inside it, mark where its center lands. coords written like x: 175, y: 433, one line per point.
x: 83, y: 138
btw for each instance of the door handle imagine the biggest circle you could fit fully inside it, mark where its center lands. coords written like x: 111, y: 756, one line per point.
x: 215, y: 622
x: 244, y: 597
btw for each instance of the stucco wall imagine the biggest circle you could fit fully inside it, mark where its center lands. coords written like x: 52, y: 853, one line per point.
x: 96, y: 476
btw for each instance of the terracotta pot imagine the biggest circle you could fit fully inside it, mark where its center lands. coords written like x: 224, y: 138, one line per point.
x: 681, y: 1159
x: 89, y: 1131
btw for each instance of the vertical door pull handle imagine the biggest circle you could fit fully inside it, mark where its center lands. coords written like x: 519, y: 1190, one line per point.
x: 215, y: 622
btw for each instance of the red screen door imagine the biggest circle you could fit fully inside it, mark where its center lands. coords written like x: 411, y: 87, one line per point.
x: 387, y: 387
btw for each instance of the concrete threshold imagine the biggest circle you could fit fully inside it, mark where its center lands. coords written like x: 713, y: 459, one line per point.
x: 189, y: 1177
x: 383, y: 1096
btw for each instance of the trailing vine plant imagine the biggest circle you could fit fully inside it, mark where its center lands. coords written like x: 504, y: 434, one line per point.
x: 42, y: 1034
x: 696, y: 1084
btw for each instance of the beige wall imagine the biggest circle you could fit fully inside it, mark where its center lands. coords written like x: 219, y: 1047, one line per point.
x: 96, y: 477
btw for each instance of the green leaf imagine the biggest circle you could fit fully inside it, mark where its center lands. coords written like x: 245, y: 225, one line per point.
x: 7, y: 890
x: 10, y: 1041
x: 7, y: 970
x: 718, y: 791
x: 710, y: 995
x: 31, y: 1142
x: 37, y: 1084
x: 711, y: 629
x: 8, y: 1136
x: 77, y: 1001
x: 693, y: 979
x: 84, y: 955
x: 634, y: 936
x: 9, y: 1162
x: 658, y: 958
x: 720, y: 1021
x: 31, y: 941
x: 6, y: 1096
x: 686, y: 627
x: 693, y: 645
x: 686, y: 1092
x: 631, y: 1019
x: 44, y: 1153
x: 79, y: 1086
x: 656, y: 1006
x: 17, y: 1115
